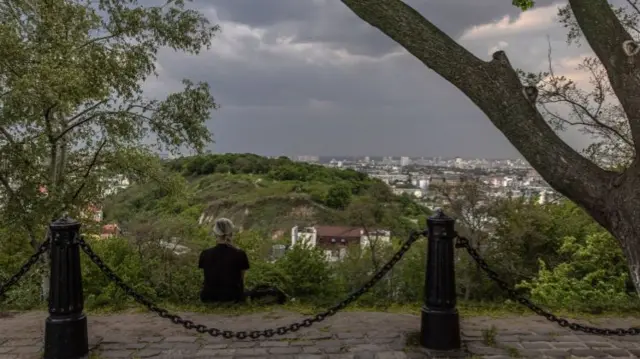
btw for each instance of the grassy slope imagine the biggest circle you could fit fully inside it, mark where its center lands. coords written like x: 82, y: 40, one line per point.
x: 252, y: 202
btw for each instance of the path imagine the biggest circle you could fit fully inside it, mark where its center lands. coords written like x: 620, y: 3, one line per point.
x: 346, y: 336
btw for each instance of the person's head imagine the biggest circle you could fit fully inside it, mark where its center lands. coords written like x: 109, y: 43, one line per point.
x: 223, y: 230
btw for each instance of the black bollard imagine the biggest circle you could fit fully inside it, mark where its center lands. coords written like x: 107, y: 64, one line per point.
x: 440, y: 327
x: 65, y: 335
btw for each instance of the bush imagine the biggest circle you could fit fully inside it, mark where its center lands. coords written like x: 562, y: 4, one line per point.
x: 568, y: 262
x: 339, y: 197
x: 308, y: 272
x: 594, y: 278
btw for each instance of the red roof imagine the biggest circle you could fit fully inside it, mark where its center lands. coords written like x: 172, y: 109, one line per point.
x: 338, y: 231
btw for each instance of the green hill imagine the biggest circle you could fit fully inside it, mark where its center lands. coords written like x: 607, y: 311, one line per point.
x: 262, y: 194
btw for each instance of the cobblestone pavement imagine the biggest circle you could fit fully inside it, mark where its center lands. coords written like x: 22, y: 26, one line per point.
x: 351, y: 335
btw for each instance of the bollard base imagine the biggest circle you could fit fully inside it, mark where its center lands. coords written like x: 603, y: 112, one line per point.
x: 440, y: 330
x: 66, y: 337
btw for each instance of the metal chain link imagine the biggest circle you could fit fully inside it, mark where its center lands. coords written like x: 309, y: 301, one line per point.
x: 463, y: 242
x: 255, y: 334
x: 25, y: 267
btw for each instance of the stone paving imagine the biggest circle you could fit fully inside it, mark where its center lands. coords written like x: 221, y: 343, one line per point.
x: 350, y: 335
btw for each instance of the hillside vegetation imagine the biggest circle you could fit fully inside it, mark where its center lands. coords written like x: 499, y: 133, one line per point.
x: 554, y: 253
x: 265, y: 195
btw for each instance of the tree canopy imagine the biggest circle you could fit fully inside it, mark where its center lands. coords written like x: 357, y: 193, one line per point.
x: 72, y: 108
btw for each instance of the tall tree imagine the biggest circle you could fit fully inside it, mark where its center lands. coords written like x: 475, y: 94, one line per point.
x: 72, y: 108
x: 612, y: 198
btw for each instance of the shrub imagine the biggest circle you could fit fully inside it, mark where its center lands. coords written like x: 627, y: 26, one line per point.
x: 309, y: 273
x: 594, y: 277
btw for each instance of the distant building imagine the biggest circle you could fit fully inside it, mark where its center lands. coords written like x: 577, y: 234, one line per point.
x: 306, y: 158
x: 405, y: 161
x: 110, y: 230
x: 166, y: 156
x: 173, y: 246
x: 415, y: 192
x: 115, y: 184
x: 94, y: 213
x: 335, y: 240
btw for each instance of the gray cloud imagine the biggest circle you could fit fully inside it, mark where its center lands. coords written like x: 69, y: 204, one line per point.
x: 309, y: 77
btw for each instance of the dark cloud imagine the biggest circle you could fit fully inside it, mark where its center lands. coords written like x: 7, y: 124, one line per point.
x: 310, y: 77
x: 331, y: 22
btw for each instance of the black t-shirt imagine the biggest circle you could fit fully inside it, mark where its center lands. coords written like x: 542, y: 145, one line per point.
x: 223, y: 266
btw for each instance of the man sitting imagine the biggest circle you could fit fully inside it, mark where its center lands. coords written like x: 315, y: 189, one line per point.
x: 224, y: 267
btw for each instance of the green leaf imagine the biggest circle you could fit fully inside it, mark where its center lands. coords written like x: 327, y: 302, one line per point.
x: 523, y: 4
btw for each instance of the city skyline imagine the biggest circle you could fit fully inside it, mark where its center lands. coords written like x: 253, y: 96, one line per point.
x: 344, y: 156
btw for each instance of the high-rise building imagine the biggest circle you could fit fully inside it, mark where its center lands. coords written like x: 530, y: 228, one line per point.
x: 405, y: 161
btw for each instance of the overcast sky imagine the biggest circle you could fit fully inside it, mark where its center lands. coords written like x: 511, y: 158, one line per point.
x: 308, y: 77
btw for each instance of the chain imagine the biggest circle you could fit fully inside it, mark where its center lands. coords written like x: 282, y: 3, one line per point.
x: 255, y: 334
x: 463, y: 242
x: 25, y: 267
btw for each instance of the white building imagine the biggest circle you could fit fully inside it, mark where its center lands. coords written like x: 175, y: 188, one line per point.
x: 116, y: 184
x: 335, y: 240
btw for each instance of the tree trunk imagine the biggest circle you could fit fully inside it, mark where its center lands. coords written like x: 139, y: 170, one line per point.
x: 611, y: 198
x: 45, y: 278
x: 627, y: 236
x: 632, y: 252
x: 624, y: 222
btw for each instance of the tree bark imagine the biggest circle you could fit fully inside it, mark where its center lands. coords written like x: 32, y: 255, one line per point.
x: 624, y: 211
x: 494, y: 86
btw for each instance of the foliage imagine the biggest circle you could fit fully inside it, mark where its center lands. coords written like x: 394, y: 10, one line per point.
x: 309, y: 273
x: 72, y: 109
x: 553, y: 251
x: 523, y: 4
x: 268, y: 195
x: 338, y: 197
x: 594, y: 276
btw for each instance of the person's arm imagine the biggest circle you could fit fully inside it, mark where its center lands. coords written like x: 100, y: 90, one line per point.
x: 244, y: 263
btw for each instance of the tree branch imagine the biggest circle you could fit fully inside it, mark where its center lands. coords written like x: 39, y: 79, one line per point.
x: 634, y: 6
x: 97, y: 39
x: 47, y: 124
x: 372, y: 245
x: 7, y: 135
x: 93, y: 163
x: 75, y: 121
x: 496, y: 89
x: 581, y: 109
x: 606, y: 35
x: 5, y: 183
